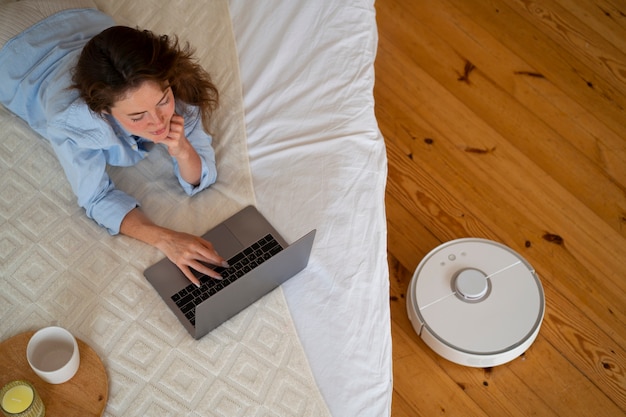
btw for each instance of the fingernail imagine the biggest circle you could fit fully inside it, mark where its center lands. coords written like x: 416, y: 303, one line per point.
x: 225, y: 264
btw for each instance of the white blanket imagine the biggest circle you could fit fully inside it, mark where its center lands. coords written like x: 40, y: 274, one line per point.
x: 59, y: 268
x: 318, y: 161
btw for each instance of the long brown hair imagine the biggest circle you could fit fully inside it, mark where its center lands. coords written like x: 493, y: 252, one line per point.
x: 120, y: 59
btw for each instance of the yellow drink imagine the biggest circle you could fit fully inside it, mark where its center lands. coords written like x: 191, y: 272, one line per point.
x: 18, y: 399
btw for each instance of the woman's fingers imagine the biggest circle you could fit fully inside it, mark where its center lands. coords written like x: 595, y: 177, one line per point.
x: 205, y: 269
x: 190, y: 276
x: 198, y: 254
x: 208, y: 254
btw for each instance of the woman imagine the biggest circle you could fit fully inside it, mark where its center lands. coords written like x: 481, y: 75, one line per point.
x: 103, y: 95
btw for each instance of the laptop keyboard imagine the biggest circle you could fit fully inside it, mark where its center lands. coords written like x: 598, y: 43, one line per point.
x: 240, y: 264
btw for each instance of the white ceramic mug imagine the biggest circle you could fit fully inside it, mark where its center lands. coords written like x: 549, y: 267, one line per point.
x: 52, y: 353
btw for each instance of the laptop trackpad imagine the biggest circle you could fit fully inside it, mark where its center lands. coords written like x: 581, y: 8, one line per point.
x: 224, y: 241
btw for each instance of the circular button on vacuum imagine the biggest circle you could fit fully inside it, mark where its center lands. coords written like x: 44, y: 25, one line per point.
x: 471, y: 284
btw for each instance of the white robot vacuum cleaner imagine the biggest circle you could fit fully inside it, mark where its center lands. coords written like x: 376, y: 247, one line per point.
x: 476, y: 302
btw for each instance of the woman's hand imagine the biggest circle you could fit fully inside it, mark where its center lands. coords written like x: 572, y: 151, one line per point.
x: 184, y: 250
x: 181, y: 149
x: 188, y: 251
x: 176, y: 141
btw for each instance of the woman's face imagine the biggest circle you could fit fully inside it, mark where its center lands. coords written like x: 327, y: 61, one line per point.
x: 146, y: 111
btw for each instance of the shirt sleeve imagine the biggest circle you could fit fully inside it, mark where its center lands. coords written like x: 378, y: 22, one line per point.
x: 85, y: 170
x: 202, y: 143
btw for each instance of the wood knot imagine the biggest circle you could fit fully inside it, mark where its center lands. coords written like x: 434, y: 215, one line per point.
x: 481, y: 151
x: 469, y: 67
x: 529, y: 74
x: 552, y: 238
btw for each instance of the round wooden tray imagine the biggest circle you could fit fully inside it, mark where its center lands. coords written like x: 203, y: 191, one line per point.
x: 85, y: 395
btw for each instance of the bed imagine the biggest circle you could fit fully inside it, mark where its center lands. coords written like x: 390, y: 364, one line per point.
x: 315, y: 159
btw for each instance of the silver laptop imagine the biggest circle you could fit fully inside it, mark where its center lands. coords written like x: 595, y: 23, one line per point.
x: 259, y: 258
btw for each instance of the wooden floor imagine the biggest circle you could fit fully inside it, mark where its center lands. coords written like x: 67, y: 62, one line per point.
x: 506, y: 120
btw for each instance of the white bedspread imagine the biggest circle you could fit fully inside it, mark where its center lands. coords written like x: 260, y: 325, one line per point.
x: 318, y: 161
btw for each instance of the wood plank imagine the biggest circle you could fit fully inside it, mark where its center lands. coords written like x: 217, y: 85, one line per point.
x: 599, y: 347
x: 606, y: 19
x: 408, y: 239
x: 420, y: 191
x: 500, y: 124
x: 541, y: 253
x: 537, y: 95
x: 500, y: 176
x: 575, y: 36
x: 484, y: 97
x: 549, y: 58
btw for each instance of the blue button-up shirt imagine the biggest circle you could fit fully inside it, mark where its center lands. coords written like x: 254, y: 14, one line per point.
x: 35, y: 80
